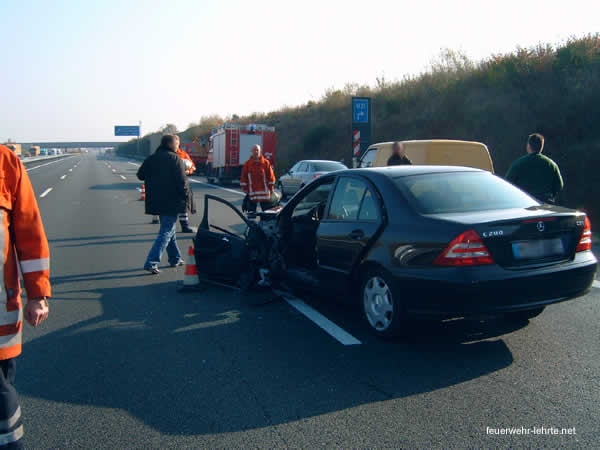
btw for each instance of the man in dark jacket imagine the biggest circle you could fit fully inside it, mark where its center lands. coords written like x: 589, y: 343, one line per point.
x: 535, y: 173
x: 398, y: 157
x: 167, y: 196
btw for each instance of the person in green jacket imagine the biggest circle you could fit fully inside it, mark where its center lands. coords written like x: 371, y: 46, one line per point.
x: 535, y: 173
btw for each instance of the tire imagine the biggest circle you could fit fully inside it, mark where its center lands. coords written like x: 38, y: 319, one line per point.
x: 381, y: 306
x: 521, y: 316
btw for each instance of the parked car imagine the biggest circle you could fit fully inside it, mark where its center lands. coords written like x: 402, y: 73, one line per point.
x: 441, y: 152
x: 408, y: 241
x: 303, y: 173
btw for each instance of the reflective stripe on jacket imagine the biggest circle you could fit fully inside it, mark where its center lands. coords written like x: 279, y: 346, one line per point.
x: 22, y: 239
x: 258, y: 179
x: 186, y: 157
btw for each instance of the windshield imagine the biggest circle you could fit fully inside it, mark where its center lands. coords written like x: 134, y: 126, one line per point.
x: 328, y: 166
x: 459, y: 192
x: 369, y: 158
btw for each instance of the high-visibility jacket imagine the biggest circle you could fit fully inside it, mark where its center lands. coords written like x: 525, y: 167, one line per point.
x: 186, y: 157
x: 22, y: 239
x: 258, y: 179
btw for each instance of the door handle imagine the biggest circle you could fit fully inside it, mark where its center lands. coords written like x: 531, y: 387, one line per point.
x: 357, y: 234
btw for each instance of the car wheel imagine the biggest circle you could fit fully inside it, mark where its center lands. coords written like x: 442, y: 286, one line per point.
x: 381, y: 305
x: 519, y: 316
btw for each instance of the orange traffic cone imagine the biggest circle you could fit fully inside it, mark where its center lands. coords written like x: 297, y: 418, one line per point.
x: 191, y: 282
x: 143, y: 191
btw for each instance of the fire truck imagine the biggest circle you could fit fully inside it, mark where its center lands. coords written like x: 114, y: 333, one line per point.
x: 230, y: 148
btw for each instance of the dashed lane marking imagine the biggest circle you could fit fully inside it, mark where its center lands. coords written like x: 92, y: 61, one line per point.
x: 133, y: 164
x: 70, y: 170
x: 596, y: 284
x: 63, y: 177
x: 114, y: 170
x: 122, y: 177
x: 46, y: 192
x: 47, y: 164
x: 323, y: 322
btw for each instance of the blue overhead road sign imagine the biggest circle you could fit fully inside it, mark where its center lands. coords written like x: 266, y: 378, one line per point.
x: 360, y: 110
x: 127, y: 130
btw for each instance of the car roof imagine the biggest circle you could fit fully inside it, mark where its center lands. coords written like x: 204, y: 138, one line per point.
x: 319, y: 160
x: 405, y: 171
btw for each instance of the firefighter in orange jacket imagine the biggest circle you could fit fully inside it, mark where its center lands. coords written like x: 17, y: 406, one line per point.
x: 258, y: 180
x: 22, y: 240
x: 190, y: 168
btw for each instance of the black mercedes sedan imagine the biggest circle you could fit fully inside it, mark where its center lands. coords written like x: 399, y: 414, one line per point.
x: 406, y: 242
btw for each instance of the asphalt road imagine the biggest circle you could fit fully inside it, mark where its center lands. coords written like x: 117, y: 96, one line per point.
x: 125, y: 361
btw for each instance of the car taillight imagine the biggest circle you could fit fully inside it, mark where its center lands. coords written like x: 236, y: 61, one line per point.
x: 585, y: 243
x: 318, y: 175
x: 467, y: 249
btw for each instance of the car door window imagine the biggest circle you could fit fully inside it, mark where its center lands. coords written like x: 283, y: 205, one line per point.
x: 315, y: 198
x: 369, y: 211
x: 223, y: 218
x: 346, y: 200
x: 369, y: 158
x: 295, y: 168
x: 302, y: 167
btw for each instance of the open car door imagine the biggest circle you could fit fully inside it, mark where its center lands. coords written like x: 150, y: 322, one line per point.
x: 220, y: 243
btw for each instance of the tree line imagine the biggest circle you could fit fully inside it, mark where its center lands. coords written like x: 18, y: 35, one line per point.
x: 550, y: 89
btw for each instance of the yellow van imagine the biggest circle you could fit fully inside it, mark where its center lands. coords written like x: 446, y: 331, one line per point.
x: 437, y: 152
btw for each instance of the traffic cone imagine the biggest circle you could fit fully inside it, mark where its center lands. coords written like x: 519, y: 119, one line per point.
x: 143, y: 191
x: 191, y: 282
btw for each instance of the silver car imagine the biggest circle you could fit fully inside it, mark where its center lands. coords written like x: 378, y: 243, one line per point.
x: 303, y: 172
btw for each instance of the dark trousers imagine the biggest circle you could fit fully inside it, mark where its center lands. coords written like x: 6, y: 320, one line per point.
x: 11, y: 423
x: 253, y: 205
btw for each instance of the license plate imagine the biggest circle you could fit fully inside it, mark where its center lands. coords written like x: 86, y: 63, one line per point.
x: 543, y: 248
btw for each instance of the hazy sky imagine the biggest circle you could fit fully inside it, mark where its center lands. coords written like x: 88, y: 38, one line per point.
x: 71, y: 70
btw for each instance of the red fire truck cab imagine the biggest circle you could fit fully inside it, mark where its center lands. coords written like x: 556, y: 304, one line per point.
x: 230, y: 147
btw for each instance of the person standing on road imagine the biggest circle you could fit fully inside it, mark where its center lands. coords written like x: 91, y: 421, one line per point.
x: 190, y: 168
x: 398, y: 157
x: 167, y: 192
x: 258, y: 180
x: 22, y: 240
x: 535, y: 173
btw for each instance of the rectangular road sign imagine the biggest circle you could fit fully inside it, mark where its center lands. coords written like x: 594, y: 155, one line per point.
x: 360, y: 110
x: 127, y: 130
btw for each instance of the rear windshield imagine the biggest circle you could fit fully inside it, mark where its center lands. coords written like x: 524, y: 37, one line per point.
x: 328, y: 166
x: 458, y: 192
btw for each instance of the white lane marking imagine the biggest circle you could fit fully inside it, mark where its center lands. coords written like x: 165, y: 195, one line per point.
x: 596, y: 284
x: 47, y: 164
x: 114, y: 170
x: 63, y: 177
x: 70, y: 170
x: 201, y: 182
x: 46, y: 192
x: 218, y: 187
x: 122, y: 177
x: 327, y: 325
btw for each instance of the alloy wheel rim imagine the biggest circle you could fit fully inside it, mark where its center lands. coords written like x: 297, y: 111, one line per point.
x: 378, y: 303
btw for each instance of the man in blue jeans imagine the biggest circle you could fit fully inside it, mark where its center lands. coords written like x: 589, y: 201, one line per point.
x: 167, y: 196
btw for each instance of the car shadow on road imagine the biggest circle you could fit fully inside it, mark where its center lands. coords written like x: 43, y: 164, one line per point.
x: 116, y: 186
x: 210, y: 363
